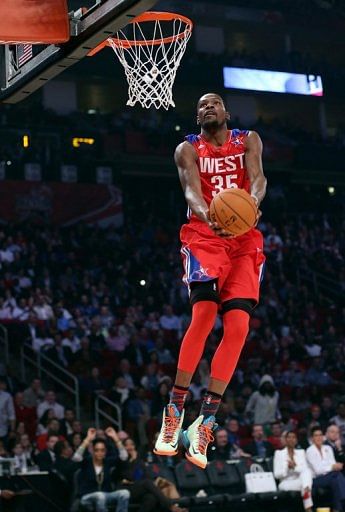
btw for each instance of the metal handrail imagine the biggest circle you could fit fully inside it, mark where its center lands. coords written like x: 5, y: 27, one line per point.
x: 4, y: 339
x: 37, y: 359
x: 99, y: 412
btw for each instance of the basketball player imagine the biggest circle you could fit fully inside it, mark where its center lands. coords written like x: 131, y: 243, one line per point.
x: 222, y: 272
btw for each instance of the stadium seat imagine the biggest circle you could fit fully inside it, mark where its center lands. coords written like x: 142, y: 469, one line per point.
x: 155, y: 470
x: 224, y: 476
x: 191, y: 479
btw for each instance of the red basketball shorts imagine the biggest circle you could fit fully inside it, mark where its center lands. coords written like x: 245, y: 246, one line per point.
x: 236, y: 263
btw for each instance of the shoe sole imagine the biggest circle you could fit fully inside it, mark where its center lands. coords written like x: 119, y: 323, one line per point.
x: 196, y: 462
x: 167, y: 454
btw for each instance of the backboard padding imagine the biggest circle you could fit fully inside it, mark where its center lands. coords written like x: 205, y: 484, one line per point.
x: 34, y: 21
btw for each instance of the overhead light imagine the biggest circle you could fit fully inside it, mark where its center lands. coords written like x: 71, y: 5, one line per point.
x: 92, y: 111
x: 26, y: 141
x: 177, y: 128
x: 331, y: 191
x: 142, y: 282
x: 78, y: 141
x: 9, y: 162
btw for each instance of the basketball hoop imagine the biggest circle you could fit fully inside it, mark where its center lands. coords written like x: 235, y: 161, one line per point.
x: 150, y: 54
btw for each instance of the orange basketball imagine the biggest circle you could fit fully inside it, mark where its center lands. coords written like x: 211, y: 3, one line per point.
x: 234, y: 210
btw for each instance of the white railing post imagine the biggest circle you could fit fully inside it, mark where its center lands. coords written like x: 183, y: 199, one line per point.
x: 99, y: 412
x: 37, y: 359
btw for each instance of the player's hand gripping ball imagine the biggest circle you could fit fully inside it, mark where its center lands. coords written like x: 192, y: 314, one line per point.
x: 234, y: 210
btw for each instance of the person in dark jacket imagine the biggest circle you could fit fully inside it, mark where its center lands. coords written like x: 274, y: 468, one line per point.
x: 259, y: 447
x: 334, y: 441
x: 64, y: 462
x: 133, y: 475
x: 221, y: 449
x: 95, y: 482
x: 46, y: 458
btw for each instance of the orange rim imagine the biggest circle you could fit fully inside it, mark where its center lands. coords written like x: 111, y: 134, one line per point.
x: 142, y: 18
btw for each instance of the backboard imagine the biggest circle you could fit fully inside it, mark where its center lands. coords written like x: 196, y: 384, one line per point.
x: 25, y: 68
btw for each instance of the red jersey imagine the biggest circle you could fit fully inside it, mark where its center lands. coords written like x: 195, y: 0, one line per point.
x: 220, y: 167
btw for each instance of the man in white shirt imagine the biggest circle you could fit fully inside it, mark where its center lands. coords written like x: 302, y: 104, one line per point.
x: 169, y: 321
x: 326, y: 471
x: 50, y: 403
x: 291, y: 469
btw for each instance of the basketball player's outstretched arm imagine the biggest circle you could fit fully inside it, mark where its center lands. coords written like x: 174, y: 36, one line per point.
x: 185, y: 159
x: 253, y: 160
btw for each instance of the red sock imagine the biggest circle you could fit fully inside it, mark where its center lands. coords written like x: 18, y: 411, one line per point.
x: 224, y: 362
x: 203, y: 317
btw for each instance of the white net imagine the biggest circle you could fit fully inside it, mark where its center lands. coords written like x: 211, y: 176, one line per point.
x: 151, y: 63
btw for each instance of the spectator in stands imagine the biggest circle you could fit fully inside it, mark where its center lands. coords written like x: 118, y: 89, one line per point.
x: 59, y: 353
x: 233, y: 428
x: 33, y: 394
x: 276, y: 434
x: 262, y: 405
x: 120, y: 392
x: 46, y: 458
x: 53, y: 427
x: 43, y: 310
x: 327, y: 409
x: 43, y: 425
x: 64, y: 462
x: 339, y: 420
x: 138, y: 412
x: 221, y: 449
x: 7, y: 412
x: 317, y: 374
x: 143, y: 491
x: 150, y: 379
x: 19, y: 458
x: 169, y: 321
x: 134, y: 354
x: 333, y: 440
x: 259, y: 447
x: 160, y: 399
x: 293, y: 376
x: 94, y: 384
x: 75, y: 440
x: 313, y: 418
x: 291, y: 469
x: 115, y: 341
x: 95, y: 479
x: 50, y: 403
x: 97, y: 341
x: 25, y: 414
x: 13, y: 384
x: 163, y: 353
x: 125, y: 372
x: 71, y: 341
x: 66, y: 424
x: 28, y: 450
x: 326, y: 471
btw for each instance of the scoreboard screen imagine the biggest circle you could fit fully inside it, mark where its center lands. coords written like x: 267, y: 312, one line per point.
x: 272, y: 81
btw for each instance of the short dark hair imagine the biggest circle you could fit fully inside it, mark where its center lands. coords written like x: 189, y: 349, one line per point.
x: 99, y: 440
x: 211, y: 94
x: 51, y: 433
x: 316, y: 429
x: 257, y: 425
x: 289, y: 432
x: 59, y: 448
